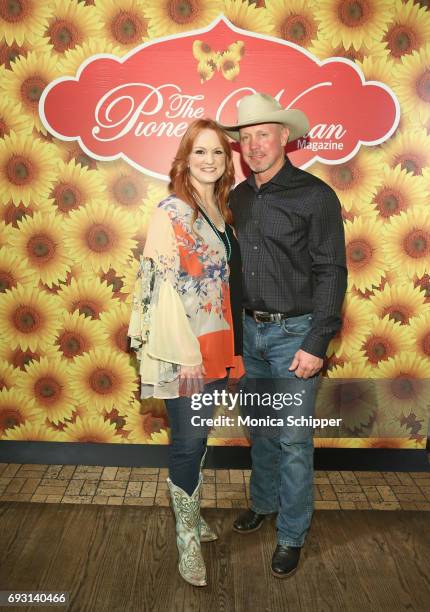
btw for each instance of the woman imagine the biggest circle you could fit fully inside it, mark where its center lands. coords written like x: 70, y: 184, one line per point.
x: 186, y: 321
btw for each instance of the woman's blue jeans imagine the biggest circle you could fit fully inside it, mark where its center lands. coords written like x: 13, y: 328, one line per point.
x: 282, y: 464
x: 188, y: 443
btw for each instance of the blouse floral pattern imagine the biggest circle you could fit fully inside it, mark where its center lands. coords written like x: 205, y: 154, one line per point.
x: 181, y: 311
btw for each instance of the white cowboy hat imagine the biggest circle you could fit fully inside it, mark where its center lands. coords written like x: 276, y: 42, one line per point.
x: 262, y: 108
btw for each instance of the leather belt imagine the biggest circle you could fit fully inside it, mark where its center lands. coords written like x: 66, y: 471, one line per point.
x: 266, y: 317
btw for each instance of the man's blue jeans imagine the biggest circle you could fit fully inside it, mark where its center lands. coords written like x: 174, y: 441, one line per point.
x: 282, y: 466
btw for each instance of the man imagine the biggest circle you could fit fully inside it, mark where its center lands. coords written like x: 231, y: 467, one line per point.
x: 291, y: 236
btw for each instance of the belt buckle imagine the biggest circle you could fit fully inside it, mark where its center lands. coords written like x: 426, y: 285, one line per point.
x: 256, y: 314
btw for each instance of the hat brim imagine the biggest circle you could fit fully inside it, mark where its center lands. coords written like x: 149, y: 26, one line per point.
x: 295, y: 120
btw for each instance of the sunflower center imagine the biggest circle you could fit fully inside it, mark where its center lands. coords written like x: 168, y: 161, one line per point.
x: 416, y: 244
x: 128, y: 28
x: 31, y: 90
x: 359, y: 253
x: 228, y: 65
x: 66, y: 197
x: 20, y: 358
x: 182, y: 11
x: 342, y: 176
x: 13, y: 10
x: 10, y: 417
x: 353, y: 13
x: 19, y: 170
x: 423, y: 86
x: 403, y: 387
x: 389, y: 202
x: 99, y: 238
x: 401, y: 40
x: 297, y: 29
x: 87, y: 308
x: 121, y: 338
x: 63, y: 35
x: 127, y: 191
x: 102, y: 381
x: 72, y: 344
x: 396, y: 314
x: 7, y: 281
x: 47, y: 390
x: 378, y: 348
x: 349, y: 395
x: 41, y: 247
x: 26, y: 319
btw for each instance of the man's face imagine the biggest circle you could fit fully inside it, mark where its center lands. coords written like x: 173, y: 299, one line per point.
x: 263, y: 145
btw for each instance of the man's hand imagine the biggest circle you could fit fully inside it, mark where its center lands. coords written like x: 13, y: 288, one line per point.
x: 305, y: 365
x: 191, y: 380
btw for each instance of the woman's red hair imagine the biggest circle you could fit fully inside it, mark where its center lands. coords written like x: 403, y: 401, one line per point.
x: 180, y: 180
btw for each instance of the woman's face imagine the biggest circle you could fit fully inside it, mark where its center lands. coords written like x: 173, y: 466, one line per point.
x: 207, y: 159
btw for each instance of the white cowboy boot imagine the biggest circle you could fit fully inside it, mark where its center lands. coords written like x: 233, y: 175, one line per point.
x: 187, y: 512
x: 206, y: 533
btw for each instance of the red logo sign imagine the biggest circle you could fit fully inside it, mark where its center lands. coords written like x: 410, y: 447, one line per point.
x: 138, y: 107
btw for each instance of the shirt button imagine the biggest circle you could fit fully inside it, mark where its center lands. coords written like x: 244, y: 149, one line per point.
x: 259, y: 196
x: 252, y: 273
x: 255, y: 247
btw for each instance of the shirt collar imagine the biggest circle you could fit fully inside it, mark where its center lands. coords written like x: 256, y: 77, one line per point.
x: 281, y: 178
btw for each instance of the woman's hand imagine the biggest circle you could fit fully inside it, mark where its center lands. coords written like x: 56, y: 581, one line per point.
x: 191, y: 380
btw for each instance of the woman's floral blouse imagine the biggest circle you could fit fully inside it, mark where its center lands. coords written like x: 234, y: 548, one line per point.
x: 181, y: 304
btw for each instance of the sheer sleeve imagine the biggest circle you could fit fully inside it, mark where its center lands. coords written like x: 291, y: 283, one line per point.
x: 159, y: 328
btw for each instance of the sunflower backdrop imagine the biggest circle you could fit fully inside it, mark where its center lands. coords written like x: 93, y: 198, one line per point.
x: 72, y: 228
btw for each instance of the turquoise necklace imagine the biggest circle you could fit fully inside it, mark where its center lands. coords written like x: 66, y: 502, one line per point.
x: 227, y: 247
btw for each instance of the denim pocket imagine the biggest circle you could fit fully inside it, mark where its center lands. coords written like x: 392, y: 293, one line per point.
x: 297, y: 326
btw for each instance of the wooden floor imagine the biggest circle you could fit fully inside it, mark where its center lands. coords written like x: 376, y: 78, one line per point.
x: 124, y: 559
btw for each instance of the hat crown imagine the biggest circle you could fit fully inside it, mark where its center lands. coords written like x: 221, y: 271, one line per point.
x: 256, y: 105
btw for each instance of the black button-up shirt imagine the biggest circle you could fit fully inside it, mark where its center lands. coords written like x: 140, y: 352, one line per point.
x: 292, y: 242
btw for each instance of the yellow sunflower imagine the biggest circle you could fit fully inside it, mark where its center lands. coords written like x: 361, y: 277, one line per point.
x: 246, y: 16
x: 73, y: 58
x: 115, y: 325
x: 356, y: 316
x: 124, y: 22
x: 71, y: 150
x: 206, y: 70
x: 27, y: 168
x: 173, y: 16
x: 9, y: 375
x: 15, y: 410
x: 103, y: 379
x: 78, y: 335
x: 129, y: 188
x: 138, y: 424
x: 293, y: 21
x: 353, y: 22
x: 228, y: 65
x: 23, y: 19
x: 88, y: 296
x: 401, y: 302
x: 356, y: 179
x: 32, y: 433
x: 412, y: 77
x: 339, y: 442
x: 420, y: 332
x: 75, y: 186
x: 114, y: 280
x: 99, y: 235
x: 403, y: 384
x: 203, y: 52
x: 71, y: 25
x: 408, y: 29
x: 90, y: 429
x: 377, y: 69
x: 40, y: 242
x: 385, y: 339
x: 12, y: 119
x: 25, y: 81
x: 360, y: 208
x: 408, y: 149
x: 10, y: 52
x: 349, y: 395
x: 28, y: 318
x: 14, y: 271
x: 323, y: 49
x: 129, y: 274
x: 364, y: 253
x: 12, y: 213
x: 19, y: 359
x: 47, y: 382
x: 399, y: 192
x: 392, y: 443
x: 407, y: 242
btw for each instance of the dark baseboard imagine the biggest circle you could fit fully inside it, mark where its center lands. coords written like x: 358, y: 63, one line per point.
x: 224, y: 457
